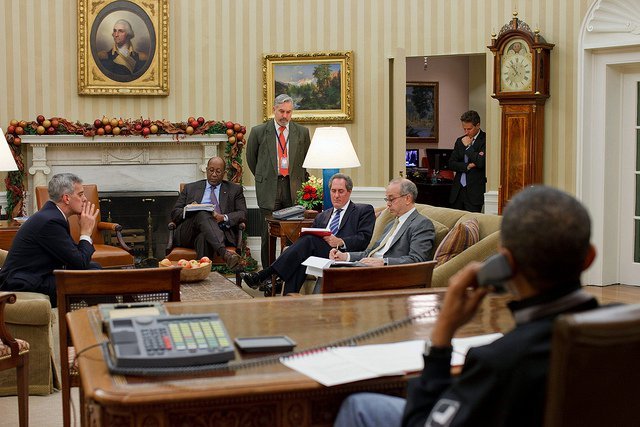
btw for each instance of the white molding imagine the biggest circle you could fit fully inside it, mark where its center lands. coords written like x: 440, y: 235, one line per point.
x: 371, y: 195
x: 491, y: 202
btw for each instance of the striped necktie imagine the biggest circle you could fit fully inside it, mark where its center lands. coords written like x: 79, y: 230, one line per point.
x: 384, y: 241
x: 335, y: 222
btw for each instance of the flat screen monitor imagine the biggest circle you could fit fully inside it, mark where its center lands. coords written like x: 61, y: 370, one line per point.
x: 411, y: 157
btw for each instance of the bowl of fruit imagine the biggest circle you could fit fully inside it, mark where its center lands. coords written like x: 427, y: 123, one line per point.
x: 192, y: 270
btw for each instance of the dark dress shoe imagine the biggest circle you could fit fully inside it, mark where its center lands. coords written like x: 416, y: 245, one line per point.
x: 251, y: 279
x: 267, y: 288
x: 232, y: 259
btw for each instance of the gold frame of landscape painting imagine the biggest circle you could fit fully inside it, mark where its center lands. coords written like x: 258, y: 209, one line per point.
x: 321, y: 85
x: 422, y: 112
x: 143, y: 28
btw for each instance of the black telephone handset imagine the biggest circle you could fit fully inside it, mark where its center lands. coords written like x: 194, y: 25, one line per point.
x: 495, y: 272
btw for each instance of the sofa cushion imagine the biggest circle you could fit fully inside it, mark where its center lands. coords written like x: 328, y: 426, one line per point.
x: 465, y: 234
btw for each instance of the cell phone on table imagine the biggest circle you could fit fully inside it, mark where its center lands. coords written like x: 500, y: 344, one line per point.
x: 278, y: 343
x: 495, y: 272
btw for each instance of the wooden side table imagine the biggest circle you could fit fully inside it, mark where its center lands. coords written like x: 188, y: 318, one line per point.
x: 287, y: 231
x: 8, y: 230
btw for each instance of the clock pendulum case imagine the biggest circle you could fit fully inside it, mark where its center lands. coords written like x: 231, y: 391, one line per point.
x: 521, y: 85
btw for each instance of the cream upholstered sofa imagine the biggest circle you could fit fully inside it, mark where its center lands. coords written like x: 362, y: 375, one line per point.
x: 444, y: 219
x: 31, y: 319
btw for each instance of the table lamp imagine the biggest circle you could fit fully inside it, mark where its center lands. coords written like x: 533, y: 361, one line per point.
x: 330, y: 150
x: 7, y: 162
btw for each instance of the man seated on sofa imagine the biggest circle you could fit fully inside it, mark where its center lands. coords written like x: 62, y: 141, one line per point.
x: 545, y: 240
x: 351, y: 225
x: 408, y: 239
x: 210, y: 232
x: 43, y: 243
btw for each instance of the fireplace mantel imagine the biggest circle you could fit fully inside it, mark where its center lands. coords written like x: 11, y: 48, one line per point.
x: 131, y: 163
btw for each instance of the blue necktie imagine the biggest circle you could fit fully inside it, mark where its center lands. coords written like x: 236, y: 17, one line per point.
x: 335, y: 222
x: 463, y: 177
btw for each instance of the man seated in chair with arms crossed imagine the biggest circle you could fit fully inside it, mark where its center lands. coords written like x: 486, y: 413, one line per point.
x: 545, y: 240
x: 43, y: 243
x: 351, y: 225
x: 408, y: 239
x: 210, y: 232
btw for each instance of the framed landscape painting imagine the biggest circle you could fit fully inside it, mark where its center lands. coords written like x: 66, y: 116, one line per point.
x: 321, y: 85
x: 123, y: 47
x: 422, y: 111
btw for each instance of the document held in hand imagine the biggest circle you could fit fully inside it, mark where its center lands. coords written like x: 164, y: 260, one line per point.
x: 194, y: 207
x: 316, y: 264
x: 320, y: 232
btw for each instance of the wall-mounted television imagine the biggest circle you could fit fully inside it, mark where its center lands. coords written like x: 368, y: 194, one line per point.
x: 411, y: 158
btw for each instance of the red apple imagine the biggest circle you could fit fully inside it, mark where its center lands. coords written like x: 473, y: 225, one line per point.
x: 108, y: 128
x: 19, y: 130
x: 190, y: 119
x: 146, y: 131
x: 40, y: 130
x: 240, y: 135
x: 200, y: 120
x: 97, y: 123
x: 55, y: 123
x: 40, y: 119
x: 138, y: 127
x: 17, y: 141
x: 229, y: 125
x: 120, y: 122
x: 11, y: 129
x: 205, y: 259
x: 100, y: 131
x: 146, y: 123
x: 230, y: 132
x: 153, y: 129
x: 237, y: 127
x: 51, y: 130
x: 243, y: 130
x: 194, y: 124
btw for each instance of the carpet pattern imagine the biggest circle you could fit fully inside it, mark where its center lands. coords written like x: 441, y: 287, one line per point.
x: 214, y: 287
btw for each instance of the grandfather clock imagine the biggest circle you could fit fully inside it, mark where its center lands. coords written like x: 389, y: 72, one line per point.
x: 521, y: 85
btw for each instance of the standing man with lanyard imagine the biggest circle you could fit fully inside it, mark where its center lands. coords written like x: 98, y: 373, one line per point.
x: 275, y: 153
x: 468, y: 161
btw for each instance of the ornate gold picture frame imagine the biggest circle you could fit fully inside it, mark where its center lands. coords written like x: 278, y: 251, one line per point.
x: 321, y: 85
x: 123, y: 47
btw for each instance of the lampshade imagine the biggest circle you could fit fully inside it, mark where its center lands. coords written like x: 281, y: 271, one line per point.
x: 331, y: 148
x: 7, y: 162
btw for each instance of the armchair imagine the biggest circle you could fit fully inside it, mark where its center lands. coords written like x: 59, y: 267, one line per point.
x: 14, y: 353
x: 176, y: 253
x: 79, y: 288
x: 106, y: 255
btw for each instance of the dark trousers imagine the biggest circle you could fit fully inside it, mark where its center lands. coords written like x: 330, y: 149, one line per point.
x: 283, y: 200
x: 462, y: 202
x: 289, y: 264
x: 201, y: 232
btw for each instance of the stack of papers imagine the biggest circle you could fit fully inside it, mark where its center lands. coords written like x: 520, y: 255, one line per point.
x: 341, y: 365
x: 194, y: 207
x: 315, y: 265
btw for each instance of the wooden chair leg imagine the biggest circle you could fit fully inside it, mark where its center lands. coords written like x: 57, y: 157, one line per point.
x: 22, y: 371
x: 66, y: 398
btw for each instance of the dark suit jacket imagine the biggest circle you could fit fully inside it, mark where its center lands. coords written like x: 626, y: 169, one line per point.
x: 231, y: 199
x: 262, y: 160
x: 43, y: 244
x: 412, y: 243
x: 476, y: 177
x: 356, y: 226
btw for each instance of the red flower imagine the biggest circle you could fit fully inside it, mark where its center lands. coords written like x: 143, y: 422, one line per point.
x: 306, y: 197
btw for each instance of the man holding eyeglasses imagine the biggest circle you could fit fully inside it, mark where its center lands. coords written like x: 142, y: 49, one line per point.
x: 210, y: 232
x: 408, y: 239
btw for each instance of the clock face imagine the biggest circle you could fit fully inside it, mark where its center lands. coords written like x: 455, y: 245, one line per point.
x: 516, y: 67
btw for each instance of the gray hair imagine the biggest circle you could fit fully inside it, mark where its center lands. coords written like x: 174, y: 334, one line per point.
x: 128, y: 29
x: 406, y: 187
x: 62, y: 184
x: 547, y: 231
x: 347, y: 180
x: 281, y: 99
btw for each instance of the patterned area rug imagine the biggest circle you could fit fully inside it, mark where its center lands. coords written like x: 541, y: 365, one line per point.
x: 215, y: 287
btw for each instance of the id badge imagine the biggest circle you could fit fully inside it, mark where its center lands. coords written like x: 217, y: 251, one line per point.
x: 284, y: 163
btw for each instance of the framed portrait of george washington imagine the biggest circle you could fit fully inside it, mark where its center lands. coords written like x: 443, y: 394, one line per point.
x: 321, y: 85
x: 123, y: 47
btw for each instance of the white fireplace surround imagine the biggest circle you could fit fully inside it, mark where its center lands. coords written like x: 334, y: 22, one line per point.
x: 156, y: 163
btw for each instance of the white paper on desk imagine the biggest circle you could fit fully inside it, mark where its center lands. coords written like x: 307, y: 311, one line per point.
x: 347, y: 364
x: 316, y: 264
x: 462, y: 345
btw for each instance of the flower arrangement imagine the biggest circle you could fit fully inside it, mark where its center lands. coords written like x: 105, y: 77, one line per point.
x: 310, y: 194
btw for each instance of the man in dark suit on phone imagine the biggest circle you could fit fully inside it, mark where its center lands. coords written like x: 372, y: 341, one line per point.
x: 210, y: 232
x: 468, y: 161
x: 275, y: 152
x: 544, y: 248
x: 350, y: 224
x: 43, y: 243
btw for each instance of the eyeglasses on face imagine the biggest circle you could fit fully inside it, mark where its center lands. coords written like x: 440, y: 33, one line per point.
x: 392, y: 199
x: 215, y: 171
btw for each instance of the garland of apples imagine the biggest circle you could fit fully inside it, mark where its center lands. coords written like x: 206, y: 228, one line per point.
x: 117, y: 127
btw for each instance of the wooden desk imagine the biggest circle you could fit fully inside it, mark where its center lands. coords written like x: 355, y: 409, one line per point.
x: 268, y: 394
x: 8, y: 230
x: 287, y: 231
